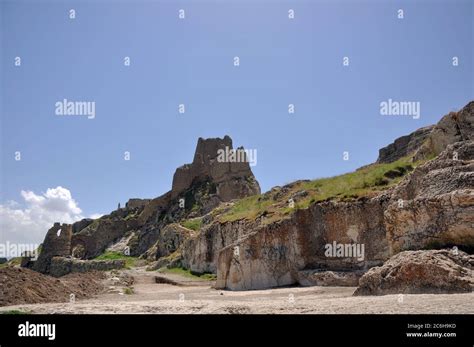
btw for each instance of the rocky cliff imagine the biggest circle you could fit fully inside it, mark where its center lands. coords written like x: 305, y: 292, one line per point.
x: 438, y: 212
x: 418, y: 195
x: 433, y: 207
x: 428, y: 204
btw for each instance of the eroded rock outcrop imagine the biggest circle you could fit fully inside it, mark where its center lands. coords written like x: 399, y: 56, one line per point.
x: 431, y: 207
x: 404, y: 145
x: 432, y: 140
x: 453, y: 127
x: 434, y: 206
x: 413, y: 272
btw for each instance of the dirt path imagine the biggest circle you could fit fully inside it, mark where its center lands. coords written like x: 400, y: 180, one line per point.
x: 198, y: 296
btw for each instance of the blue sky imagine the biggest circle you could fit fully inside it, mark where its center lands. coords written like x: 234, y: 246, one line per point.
x: 190, y: 61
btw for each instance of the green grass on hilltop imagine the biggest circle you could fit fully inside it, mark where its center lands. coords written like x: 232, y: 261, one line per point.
x: 365, y: 182
x: 247, y: 208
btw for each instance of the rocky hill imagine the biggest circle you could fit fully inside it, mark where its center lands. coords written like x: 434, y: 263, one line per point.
x: 147, y: 227
x: 418, y: 195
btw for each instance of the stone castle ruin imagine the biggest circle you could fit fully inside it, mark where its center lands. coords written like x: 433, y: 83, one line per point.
x: 55, y: 256
x: 195, y: 227
x: 57, y: 243
x: 197, y: 188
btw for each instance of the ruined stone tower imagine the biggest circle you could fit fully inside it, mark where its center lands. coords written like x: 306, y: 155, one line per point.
x: 56, y: 243
x: 233, y: 180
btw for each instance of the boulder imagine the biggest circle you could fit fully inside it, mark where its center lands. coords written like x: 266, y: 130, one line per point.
x: 420, y: 272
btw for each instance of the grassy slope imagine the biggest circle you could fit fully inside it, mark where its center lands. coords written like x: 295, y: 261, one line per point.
x: 367, y: 181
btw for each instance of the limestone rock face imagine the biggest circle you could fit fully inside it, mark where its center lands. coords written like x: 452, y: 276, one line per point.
x: 275, y: 254
x: 169, y: 240
x: 413, y: 272
x: 433, y: 207
x: 56, y: 243
x: 233, y: 180
x: 201, y: 251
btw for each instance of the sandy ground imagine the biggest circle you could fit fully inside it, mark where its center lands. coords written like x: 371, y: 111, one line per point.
x: 198, y: 296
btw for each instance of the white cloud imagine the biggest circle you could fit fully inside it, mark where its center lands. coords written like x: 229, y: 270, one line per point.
x: 30, y: 224
x: 95, y: 215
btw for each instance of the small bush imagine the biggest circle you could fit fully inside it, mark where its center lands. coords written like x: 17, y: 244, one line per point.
x: 193, y: 224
